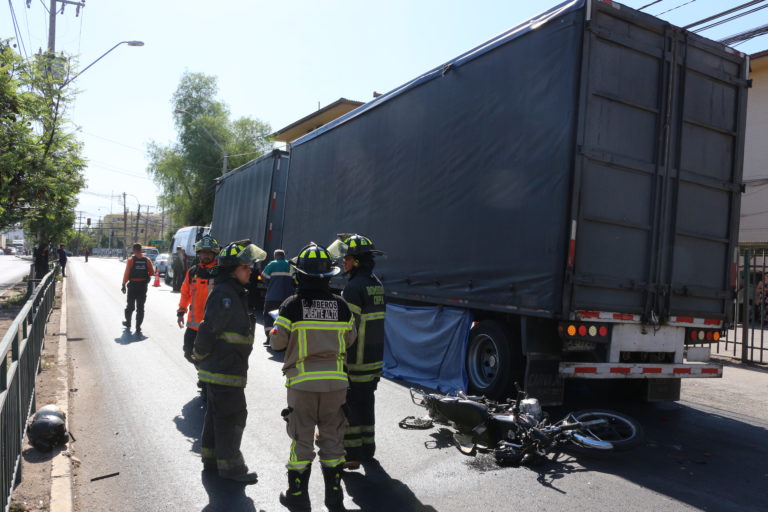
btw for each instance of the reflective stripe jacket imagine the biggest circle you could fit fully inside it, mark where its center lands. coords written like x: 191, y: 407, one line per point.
x: 365, y: 295
x: 225, y: 338
x: 194, y: 292
x: 315, y: 327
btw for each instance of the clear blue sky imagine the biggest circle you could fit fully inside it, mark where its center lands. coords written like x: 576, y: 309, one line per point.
x: 274, y: 60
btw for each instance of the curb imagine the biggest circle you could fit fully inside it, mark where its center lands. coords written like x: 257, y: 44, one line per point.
x: 61, y: 466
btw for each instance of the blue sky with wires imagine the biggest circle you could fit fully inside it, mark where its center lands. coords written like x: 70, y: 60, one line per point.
x: 275, y: 60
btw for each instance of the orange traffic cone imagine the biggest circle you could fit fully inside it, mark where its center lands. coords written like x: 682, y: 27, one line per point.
x: 157, y: 278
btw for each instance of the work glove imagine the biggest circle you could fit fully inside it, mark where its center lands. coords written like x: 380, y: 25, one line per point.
x: 123, y: 288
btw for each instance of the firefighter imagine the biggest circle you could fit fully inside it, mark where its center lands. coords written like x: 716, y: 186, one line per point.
x: 223, y: 343
x: 365, y: 295
x: 314, y: 327
x: 194, y: 292
x: 138, y: 269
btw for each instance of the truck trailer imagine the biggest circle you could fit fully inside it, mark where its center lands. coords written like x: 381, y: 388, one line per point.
x: 574, y: 183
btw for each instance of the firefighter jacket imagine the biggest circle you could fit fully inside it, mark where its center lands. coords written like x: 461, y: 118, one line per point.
x: 138, y: 270
x: 315, y: 327
x: 365, y: 295
x: 225, y: 337
x: 194, y: 292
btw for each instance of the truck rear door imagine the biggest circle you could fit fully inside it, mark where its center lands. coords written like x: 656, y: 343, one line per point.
x: 657, y: 171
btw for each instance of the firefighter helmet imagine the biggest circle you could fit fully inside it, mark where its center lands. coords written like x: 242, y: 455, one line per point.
x: 353, y: 245
x: 207, y: 243
x: 242, y: 252
x: 47, y: 428
x: 315, y: 260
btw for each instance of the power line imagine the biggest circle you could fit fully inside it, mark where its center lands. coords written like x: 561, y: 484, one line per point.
x: 113, y: 141
x: 743, y: 37
x: 650, y: 4
x: 17, y: 30
x: 736, y: 16
x: 720, y: 14
x: 675, y: 8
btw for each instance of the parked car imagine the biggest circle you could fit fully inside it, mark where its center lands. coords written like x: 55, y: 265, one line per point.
x: 150, y: 252
x: 161, y: 263
x: 9, y: 250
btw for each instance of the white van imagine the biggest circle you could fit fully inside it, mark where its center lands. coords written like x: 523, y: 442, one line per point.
x: 185, y: 238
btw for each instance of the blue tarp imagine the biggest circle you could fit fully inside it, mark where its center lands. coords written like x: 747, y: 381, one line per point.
x: 427, y: 345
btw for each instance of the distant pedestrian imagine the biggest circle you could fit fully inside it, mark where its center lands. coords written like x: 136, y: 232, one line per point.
x: 222, y: 346
x: 87, y: 252
x: 62, y: 260
x: 279, y: 287
x: 179, y: 264
x: 138, y: 270
x: 41, y: 260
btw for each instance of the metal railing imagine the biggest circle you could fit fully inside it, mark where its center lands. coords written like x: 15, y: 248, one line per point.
x: 20, y: 352
x: 747, y: 339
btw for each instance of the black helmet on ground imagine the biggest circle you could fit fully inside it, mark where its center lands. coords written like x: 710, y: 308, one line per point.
x: 315, y: 260
x: 47, y: 429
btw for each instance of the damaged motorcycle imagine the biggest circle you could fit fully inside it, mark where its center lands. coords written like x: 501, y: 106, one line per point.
x: 518, y: 431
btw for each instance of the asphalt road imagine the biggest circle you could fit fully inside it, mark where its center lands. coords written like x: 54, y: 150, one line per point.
x: 135, y: 410
x: 12, y: 271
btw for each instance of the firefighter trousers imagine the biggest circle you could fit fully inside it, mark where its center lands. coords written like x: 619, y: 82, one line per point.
x: 223, y: 428
x: 321, y: 410
x: 360, y: 438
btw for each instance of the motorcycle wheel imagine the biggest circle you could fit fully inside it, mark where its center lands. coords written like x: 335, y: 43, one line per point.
x: 623, y: 432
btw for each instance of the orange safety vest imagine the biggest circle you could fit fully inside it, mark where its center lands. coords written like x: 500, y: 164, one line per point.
x: 194, y: 293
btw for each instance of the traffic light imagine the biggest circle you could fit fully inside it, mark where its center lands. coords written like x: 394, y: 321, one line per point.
x: 88, y: 221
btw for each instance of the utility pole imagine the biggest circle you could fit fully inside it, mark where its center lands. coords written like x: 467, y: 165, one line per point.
x: 79, y: 230
x: 146, y: 226
x: 162, y: 225
x: 52, y: 20
x: 125, y: 226
x: 138, y: 216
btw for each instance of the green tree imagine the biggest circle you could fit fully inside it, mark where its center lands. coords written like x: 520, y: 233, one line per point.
x: 41, y: 163
x: 186, y: 170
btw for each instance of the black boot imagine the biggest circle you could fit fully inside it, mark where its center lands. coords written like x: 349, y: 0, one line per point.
x: 297, y: 495
x: 334, y: 495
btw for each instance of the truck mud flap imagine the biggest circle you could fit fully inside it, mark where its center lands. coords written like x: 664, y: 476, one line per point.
x: 543, y: 381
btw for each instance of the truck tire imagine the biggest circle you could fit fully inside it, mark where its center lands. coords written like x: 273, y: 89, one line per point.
x: 493, y: 360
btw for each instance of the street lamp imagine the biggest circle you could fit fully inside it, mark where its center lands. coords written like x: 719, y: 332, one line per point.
x: 129, y: 43
x: 224, y: 151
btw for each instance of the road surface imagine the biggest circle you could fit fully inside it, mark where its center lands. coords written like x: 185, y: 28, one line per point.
x: 135, y: 411
x: 12, y: 271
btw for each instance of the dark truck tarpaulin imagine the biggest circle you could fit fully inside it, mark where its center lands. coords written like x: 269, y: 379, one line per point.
x: 566, y: 164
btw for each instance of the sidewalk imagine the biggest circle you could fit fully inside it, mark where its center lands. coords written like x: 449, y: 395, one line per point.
x: 45, y: 482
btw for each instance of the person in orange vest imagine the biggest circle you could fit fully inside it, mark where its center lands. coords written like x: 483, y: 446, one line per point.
x: 138, y: 268
x: 194, y: 292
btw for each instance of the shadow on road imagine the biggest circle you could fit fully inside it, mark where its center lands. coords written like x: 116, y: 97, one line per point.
x: 225, y: 495
x: 190, y: 422
x: 376, y: 490
x: 126, y: 338
x: 700, y: 458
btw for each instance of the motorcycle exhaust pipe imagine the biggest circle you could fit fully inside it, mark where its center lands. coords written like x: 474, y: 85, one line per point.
x: 588, y: 442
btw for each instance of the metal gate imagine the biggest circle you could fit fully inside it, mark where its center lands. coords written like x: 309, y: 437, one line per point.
x: 747, y: 339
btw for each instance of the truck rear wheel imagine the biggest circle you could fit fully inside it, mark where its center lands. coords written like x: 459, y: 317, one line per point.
x: 493, y: 359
